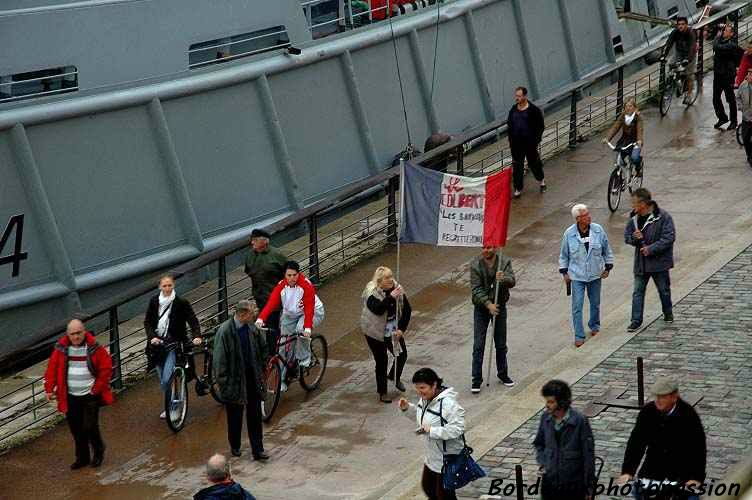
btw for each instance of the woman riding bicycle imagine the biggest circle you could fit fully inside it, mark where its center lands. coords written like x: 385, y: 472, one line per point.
x: 302, y: 310
x: 630, y: 124
x: 166, y: 317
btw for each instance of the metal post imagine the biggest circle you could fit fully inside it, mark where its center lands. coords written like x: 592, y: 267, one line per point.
x: 460, y: 160
x: 391, y: 193
x: 640, y: 384
x: 313, y: 249
x: 223, y: 307
x: 518, y: 482
x: 620, y: 91
x: 573, y: 121
x: 117, y: 369
x: 736, y: 27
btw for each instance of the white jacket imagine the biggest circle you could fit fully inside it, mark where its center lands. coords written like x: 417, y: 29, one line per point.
x: 451, y: 432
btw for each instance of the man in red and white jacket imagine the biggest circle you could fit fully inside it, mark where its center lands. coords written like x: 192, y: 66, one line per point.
x: 78, y: 376
x: 302, y: 310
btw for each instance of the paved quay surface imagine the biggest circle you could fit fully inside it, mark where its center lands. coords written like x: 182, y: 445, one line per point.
x: 338, y: 442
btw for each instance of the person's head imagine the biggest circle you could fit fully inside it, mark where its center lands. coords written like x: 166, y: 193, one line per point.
x: 728, y: 31
x: 259, y: 240
x: 630, y: 106
x: 581, y: 214
x: 382, y: 278
x: 682, y: 23
x: 166, y: 284
x: 488, y: 252
x: 666, y: 392
x: 292, y: 270
x: 558, y: 396
x: 245, y: 311
x: 76, y: 332
x: 748, y: 77
x: 427, y: 383
x: 642, y: 201
x: 217, y: 468
x: 520, y: 95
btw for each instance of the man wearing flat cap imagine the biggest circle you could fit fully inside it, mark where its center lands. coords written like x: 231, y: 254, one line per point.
x: 265, y: 265
x: 672, y: 433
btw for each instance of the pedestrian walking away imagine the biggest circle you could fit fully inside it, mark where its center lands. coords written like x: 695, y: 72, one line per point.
x: 525, y: 128
x: 585, y: 259
x: 631, y: 126
x: 222, y: 485
x: 384, y: 321
x: 683, y: 39
x: 265, y: 265
x: 238, y: 364
x: 441, y: 423
x: 651, y: 231
x: 487, y: 271
x: 78, y: 376
x: 670, y: 436
x: 726, y: 54
x: 164, y: 323
x: 744, y: 99
x: 565, y: 450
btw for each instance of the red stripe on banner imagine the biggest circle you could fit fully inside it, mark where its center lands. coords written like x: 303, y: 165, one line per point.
x: 496, y: 211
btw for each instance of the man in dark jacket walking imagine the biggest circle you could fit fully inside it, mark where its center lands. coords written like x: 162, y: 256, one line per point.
x: 484, y: 278
x: 672, y: 433
x: 564, y: 446
x: 651, y: 231
x: 725, y: 55
x: 238, y: 364
x: 223, y: 487
x: 525, y: 130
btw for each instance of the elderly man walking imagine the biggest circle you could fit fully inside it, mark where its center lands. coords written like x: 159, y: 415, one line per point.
x: 223, y: 487
x: 651, y: 231
x: 584, y: 259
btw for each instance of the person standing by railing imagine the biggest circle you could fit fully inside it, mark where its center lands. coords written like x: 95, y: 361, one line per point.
x: 78, y: 377
x: 164, y: 323
x: 525, y: 128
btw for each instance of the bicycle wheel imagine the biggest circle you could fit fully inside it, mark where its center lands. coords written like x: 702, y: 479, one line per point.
x: 666, y: 97
x: 311, y: 376
x: 692, y: 97
x: 209, y: 378
x: 739, y: 138
x: 272, y: 385
x: 614, y: 190
x: 176, y: 400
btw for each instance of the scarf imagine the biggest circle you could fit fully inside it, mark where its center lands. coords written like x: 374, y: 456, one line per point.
x: 629, y: 118
x: 165, y: 303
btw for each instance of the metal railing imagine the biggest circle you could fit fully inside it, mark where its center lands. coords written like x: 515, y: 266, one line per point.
x: 226, y: 46
x: 332, y: 245
x: 66, y: 80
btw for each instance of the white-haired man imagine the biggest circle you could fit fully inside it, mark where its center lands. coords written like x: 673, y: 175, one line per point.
x: 585, y: 258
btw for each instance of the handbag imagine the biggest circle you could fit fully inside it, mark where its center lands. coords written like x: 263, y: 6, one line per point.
x: 156, y: 354
x: 458, y: 469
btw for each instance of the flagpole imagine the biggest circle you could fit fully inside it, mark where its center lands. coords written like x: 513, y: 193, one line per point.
x: 493, y: 320
x: 397, y: 347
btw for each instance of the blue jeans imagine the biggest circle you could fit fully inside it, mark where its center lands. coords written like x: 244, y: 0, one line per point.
x: 662, y: 282
x: 481, y: 317
x: 164, y: 371
x: 636, y: 156
x: 578, y: 298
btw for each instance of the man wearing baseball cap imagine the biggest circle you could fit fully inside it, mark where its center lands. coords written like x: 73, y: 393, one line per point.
x: 672, y: 433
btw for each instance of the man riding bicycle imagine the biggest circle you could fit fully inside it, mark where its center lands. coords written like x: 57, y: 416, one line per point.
x: 302, y: 310
x: 683, y: 37
x: 672, y: 433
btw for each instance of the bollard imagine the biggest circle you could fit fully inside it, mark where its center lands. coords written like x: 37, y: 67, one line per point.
x: 520, y: 487
x: 313, y: 249
x: 117, y: 369
x: 640, y: 384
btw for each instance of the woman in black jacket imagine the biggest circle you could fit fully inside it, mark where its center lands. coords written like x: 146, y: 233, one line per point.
x: 165, y: 322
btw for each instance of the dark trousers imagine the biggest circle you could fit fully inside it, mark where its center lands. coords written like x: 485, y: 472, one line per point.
x: 252, y: 421
x: 433, y: 487
x: 725, y: 86
x: 83, y: 420
x: 747, y: 139
x: 519, y: 153
x: 481, y: 317
x: 662, y: 283
x: 272, y: 334
x: 379, y: 350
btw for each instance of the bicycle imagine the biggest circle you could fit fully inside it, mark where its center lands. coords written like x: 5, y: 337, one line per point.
x: 176, y: 395
x: 310, y: 377
x: 652, y: 489
x: 676, y: 83
x: 624, y: 175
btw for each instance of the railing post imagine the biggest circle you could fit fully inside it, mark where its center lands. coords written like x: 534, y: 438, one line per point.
x: 573, y: 121
x: 117, y: 368
x: 736, y: 27
x: 620, y: 91
x: 640, y: 383
x: 223, y: 308
x: 313, y: 249
x: 391, y: 193
x: 460, y: 160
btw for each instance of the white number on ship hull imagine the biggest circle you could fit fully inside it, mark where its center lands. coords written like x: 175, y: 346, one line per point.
x: 15, y: 222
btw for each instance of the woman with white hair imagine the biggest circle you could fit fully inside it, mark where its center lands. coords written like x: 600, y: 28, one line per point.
x: 584, y: 259
x: 384, y: 320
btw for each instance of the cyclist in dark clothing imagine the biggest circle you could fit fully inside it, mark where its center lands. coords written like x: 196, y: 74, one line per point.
x: 685, y: 41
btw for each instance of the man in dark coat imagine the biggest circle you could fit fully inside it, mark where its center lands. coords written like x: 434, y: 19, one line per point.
x: 265, y: 265
x: 651, y: 231
x: 223, y: 487
x: 672, y: 433
x: 726, y: 54
x: 238, y: 364
x: 564, y: 446
x: 525, y: 130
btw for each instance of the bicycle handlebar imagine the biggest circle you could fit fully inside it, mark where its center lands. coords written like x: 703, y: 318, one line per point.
x: 624, y: 148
